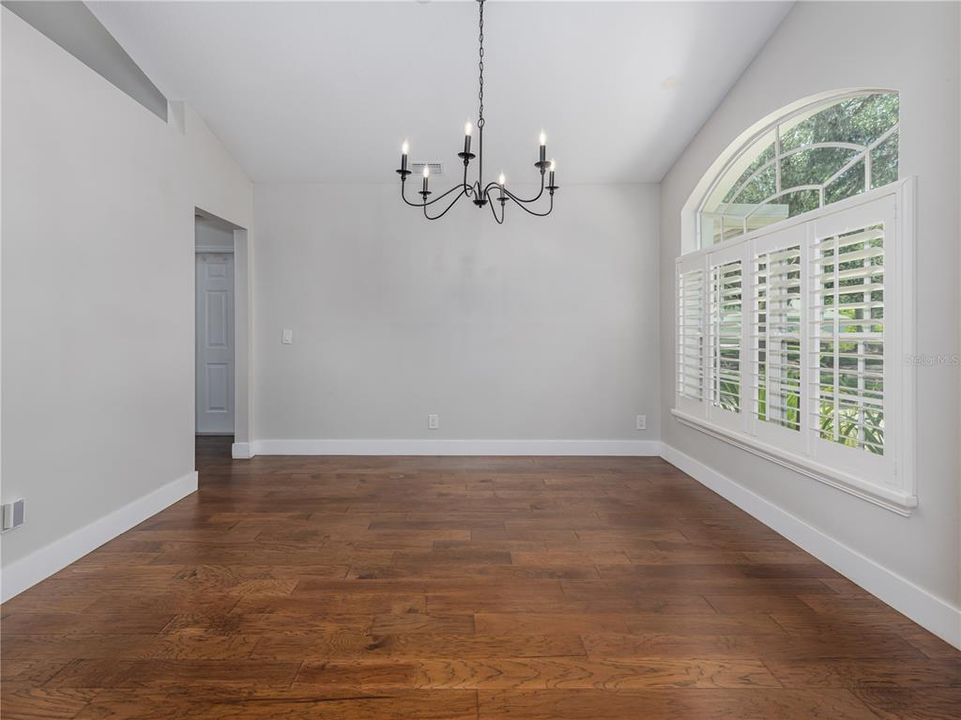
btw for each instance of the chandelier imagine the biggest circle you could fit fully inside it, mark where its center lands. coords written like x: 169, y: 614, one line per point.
x: 477, y: 191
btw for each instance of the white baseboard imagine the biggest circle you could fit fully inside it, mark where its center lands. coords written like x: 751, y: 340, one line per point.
x: 928, y: 611
x: 43, y: 563
x: 240, y: 451
x: 454, y: 447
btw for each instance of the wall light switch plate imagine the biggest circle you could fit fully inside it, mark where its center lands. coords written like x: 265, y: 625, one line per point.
x: 288, y: 337
x: 433, y: 422
x: 642, y: 422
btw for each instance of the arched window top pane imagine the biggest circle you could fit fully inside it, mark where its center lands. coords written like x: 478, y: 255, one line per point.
x: 822, y: 153
x: 859, y: 120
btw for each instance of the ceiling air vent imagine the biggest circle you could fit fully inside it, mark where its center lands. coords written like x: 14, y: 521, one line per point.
x: 436, y: 168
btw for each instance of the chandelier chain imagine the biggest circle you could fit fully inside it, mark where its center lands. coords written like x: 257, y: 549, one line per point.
x: 480, y: 66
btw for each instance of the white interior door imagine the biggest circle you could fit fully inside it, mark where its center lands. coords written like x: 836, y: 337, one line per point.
x: 215, y: 343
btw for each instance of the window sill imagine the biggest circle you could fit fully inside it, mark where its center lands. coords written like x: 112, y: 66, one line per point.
x: 901, y: 503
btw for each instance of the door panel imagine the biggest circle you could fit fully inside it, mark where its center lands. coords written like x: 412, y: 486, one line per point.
x: 215, y: 343
x: 218, y: 388
x: 216, y: 317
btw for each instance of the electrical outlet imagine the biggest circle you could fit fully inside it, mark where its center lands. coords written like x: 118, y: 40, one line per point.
x: 642, y: 422
x: 287, y: 337
x: 13, y: 514
x: 433, y: 422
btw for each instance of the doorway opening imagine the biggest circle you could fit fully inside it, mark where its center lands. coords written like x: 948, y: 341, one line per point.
x: 220, y: 332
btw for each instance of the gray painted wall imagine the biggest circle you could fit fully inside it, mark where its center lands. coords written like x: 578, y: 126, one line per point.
x: 98, y: 288
x: 537, y: 329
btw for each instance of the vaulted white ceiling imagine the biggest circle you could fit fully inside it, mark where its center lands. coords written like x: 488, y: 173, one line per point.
x: 326, y: 92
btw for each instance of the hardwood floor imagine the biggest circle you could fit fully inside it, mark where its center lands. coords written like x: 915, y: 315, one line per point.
x: 449, y: 588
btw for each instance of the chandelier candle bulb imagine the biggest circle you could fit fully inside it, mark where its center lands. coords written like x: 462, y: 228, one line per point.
x: 550, y: 182
x: 403, y: 155
x: 543, y: 144
x: 426, y: 176
x: 467, y: 132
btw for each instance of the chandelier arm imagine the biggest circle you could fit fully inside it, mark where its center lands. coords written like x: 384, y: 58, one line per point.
x: 529, y: 211
x: 488, y: 186
x: 499, y: 221
x: 462, y: 188
x: 522, y: 200
x: 452, y: 203
x: 403, y: 186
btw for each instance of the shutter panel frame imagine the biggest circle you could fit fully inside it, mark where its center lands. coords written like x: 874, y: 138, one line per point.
x: 846, y: 340
x: 787, y: 249
x: 690, y: 380
x: 727, y: 304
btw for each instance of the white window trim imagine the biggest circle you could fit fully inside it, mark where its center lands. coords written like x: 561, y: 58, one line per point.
x: 899, y: 500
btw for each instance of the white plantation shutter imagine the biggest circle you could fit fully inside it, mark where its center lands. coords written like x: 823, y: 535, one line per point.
x: 725, y: 335
x: 776, y: 336
x: 804, y: 326
x: 848, y: 305
x: 690, y: 335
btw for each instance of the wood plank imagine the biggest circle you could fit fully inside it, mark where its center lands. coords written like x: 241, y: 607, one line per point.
x: 535, y: 673
x: 783, y: 646
x: 108, y: 672
x: 867, y: 673
x: 303, y: 646
x: 28, y: 672
x: 672, y: 704
x: 930, y: 703
x: 42, y: 703
x: 185, y: 644
x: 24, y: 623
x: 302, y: 703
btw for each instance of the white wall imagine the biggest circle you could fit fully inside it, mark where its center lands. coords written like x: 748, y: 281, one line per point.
x: 208, y: 234
x: 912, y: 48
x: 540, y: 328
x: 98, y: 296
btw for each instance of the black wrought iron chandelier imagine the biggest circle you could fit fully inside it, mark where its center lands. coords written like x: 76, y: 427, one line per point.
x: 479, y: 192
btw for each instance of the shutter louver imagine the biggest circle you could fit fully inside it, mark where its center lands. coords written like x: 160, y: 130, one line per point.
x: 777, y: 337
x: 726, y: 336
x: 848, y: 352
x: 690, y: 335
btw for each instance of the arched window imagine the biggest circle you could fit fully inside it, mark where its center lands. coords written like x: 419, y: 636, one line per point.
x: 795, y: 307
x: 822, y: 153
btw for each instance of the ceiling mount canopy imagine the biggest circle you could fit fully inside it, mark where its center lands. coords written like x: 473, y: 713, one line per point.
x: 477, y: 190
